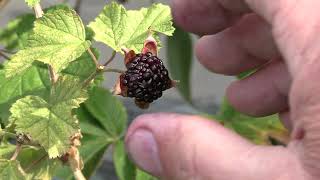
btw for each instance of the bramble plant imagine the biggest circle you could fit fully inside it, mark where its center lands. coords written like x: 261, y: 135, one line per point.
x: 57, y: 119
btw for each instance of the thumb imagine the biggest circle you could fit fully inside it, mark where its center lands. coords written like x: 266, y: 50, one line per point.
x: 175, y: 147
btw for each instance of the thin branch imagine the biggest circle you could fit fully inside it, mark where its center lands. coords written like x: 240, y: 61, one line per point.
x: 5, y: 56
x: 77, y: 6
x: 90, y: 78
x: 75, y: 163
x: 35, y: 163
x: 94, y: 58
x: 7, y: 51
x: 110, y: 59
x: 78, y: 175
x: 38, y: 10
x: 16, y: 152
x: 53, y: 75
x: 114, y: 70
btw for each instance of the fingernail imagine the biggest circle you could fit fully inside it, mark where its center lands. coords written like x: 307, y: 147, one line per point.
x: 143, y: 150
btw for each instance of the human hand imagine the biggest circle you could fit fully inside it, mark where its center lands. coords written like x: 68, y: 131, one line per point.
x: 243, y: 35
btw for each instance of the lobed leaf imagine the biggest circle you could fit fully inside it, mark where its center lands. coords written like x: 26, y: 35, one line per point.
x: 35, y: 81
x: 50, y: 122
x: 119, y: 28
x: 58, y: 38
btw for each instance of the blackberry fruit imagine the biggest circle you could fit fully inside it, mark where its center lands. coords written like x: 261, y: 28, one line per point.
x: 146, y: 78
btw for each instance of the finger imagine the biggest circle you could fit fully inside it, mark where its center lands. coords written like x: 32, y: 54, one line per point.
x: 178, y: 147
x: 284, y: 116
x: 263, y: 93
x: 244, y: 46
x: 305, y: 108
x: 211, y: 16
x: 204, y: 16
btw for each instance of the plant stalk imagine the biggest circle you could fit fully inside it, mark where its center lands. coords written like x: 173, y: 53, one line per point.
x: 16, y: 152
x: 4, y: 55
x: 110, y: 59
x: 75, y: 163
x: 94, y: 58
x: 35, y: 163
x: 114, y: 70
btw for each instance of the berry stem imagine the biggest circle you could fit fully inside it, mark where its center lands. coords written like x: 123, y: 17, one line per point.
x: 35, y: 163
x: 110, y: 59
x: 7, y: 51
x: 16, y: 152
x: 53, y: 75
x: 4, y: 55
x: 94, y: 58
x: 114, y: 70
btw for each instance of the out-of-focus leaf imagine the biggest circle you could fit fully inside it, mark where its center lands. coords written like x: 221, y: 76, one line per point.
x: 141, y: 175
x: 108, y: 110
x: 125, y: 169
x: 14, y: 36
x: 10, y: 170
x: 258, y: 130
x: 179, y: 49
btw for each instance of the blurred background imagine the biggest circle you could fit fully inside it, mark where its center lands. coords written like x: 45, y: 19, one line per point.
x: 207, y: 89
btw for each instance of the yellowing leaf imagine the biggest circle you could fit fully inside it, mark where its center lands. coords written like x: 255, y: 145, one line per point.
x: 50, y: 122
x: 58, y: 38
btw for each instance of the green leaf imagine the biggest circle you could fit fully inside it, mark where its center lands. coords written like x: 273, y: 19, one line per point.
x: 50, y: 122
x: 32, y: 3
x: 108, y: 110
x: 82, y: 67
x: 93, y: 136
x: 58, y: 38
x: 141, y: 175
x: 118, y: 28
x: 33, y: 81
x: 14, y: 36
x: 6, y: 150
x: 259, y: 130
x: 179, y: 52
x: 10, y: 170
x: 44, y: 168
x: 125, y: 169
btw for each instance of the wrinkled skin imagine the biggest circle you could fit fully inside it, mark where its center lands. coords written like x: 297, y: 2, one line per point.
x: 241, y: 35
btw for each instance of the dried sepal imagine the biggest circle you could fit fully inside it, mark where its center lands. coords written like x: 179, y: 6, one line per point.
x: 150, y: 45
x: 120, y: 89
x: 129, y: 55
x: 174, y: 83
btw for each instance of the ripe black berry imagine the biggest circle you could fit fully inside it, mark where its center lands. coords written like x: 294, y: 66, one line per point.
x: 145, y: 78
